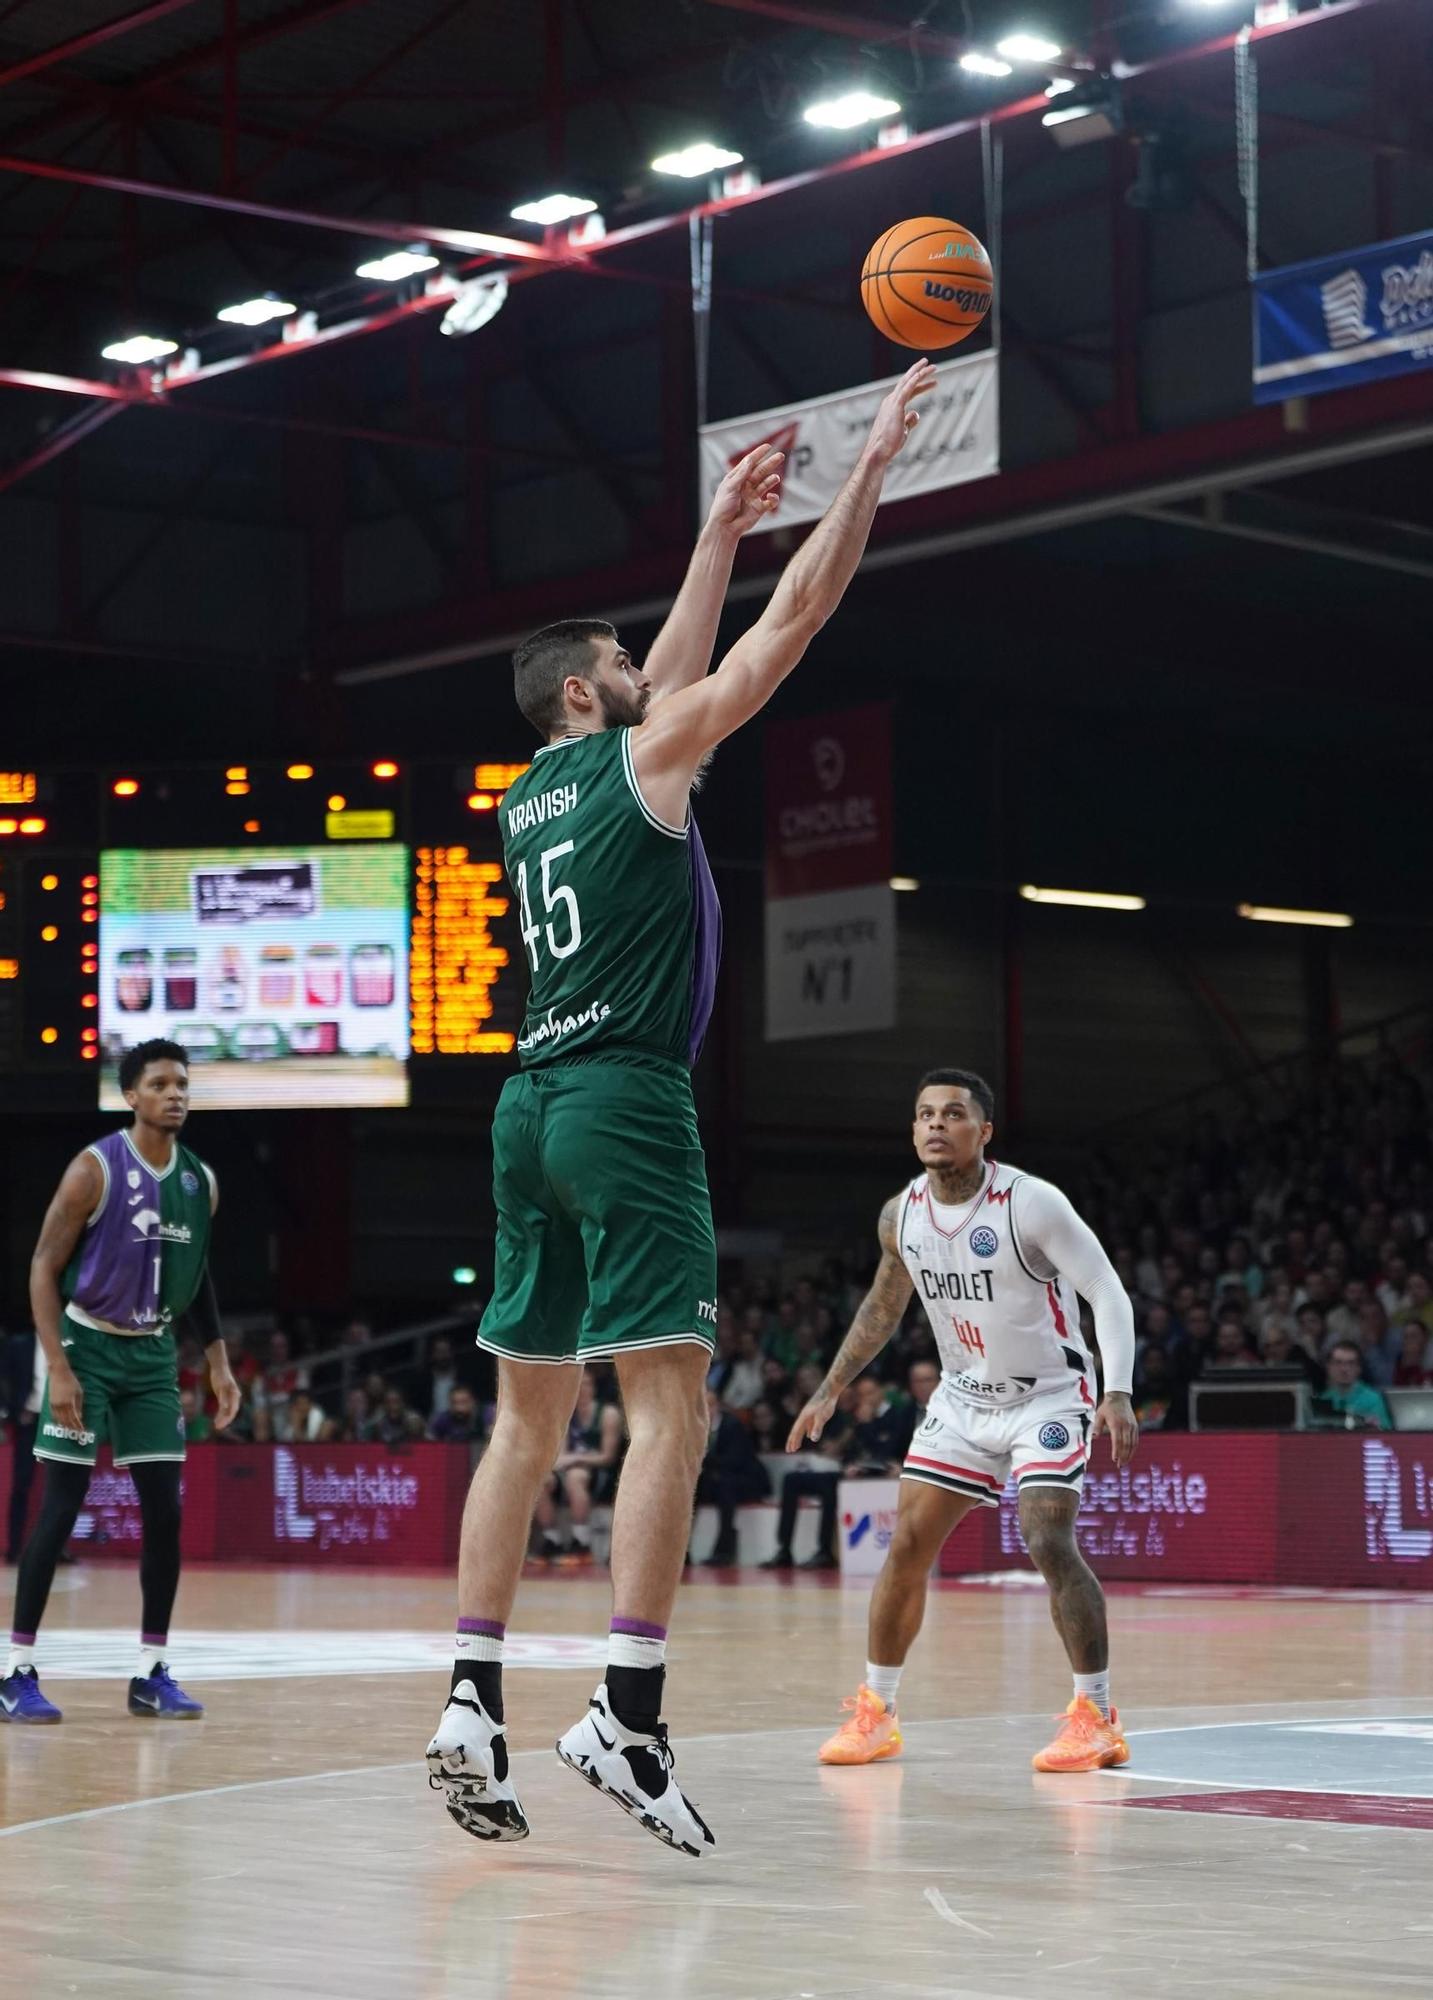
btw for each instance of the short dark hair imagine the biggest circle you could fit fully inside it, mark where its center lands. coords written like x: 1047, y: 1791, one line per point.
x: 134, y: 1062
x: 979, y: 1089
x: 543, y: 662
x: 1347, y: 1347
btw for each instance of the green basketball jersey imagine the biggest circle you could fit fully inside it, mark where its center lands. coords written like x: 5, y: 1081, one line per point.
x: 619, y: 915
x: 140, y: 1260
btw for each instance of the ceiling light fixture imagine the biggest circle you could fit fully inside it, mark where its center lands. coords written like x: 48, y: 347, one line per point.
x: 256, y: 312
x: 397, y: 265
x: 553, y: 208
x: 139, y: 348
x: 1081, y: 899
x: 699, y: 158
x: 1268, y: 913
x: 1028, y: 48
x: 857, y: 107
x: 976, y: 64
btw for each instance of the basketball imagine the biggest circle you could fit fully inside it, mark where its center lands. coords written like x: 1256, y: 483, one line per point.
x: 927, y: 282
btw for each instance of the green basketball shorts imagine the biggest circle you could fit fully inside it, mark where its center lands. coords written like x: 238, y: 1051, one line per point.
x: 131, y: 1397
x: 605, y: 1239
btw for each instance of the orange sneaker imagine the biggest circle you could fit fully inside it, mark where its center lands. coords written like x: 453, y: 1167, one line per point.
x: 1086, y: 1742
x: 871, y: 1733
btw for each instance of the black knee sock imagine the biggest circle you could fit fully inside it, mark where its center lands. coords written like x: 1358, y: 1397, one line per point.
x: 65, y: 1490
x: 157, y: 1485
x: 636, y: 1697
x: 487, y: 1677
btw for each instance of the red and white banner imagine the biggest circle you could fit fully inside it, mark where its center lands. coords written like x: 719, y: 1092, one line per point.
x: 958, y: 439
x: 830, y: 910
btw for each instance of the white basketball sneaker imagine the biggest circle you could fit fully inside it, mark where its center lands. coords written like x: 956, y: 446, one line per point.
x: 468, y: 1759
x: 636, y: 1771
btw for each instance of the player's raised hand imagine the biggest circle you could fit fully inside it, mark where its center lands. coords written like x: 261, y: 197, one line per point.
x: 812, y: 1420
x: 229, y: 1397
x: 750, y: 491
x: 1115, y: 1418
x: 896, y: 418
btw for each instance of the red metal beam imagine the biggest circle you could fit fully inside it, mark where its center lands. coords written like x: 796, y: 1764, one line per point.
x: 92, y: 38
x: 71, y: 434
x: 472, y: 240
x: 1109, y: 479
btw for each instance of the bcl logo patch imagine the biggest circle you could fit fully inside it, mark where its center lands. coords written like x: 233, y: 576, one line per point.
x: 1053, y: 1437
x: 984, y: 1242
x: 189, y: 1182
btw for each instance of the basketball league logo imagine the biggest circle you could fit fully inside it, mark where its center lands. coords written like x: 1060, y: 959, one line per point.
x: 984, y: 1242
x: 1053, y: 1437
x: 189, y: 1182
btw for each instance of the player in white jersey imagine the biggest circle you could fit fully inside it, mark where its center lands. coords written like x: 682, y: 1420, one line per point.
x: 1000, y: 1261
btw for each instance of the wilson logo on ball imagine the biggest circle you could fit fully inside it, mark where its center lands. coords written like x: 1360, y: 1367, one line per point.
x: 909, y: 304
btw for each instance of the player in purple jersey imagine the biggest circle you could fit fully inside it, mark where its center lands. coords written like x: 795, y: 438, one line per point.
x: 123, y: 1258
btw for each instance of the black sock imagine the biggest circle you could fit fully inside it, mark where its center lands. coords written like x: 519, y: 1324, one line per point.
x: 487, y: 1677
x: 636, y: 1697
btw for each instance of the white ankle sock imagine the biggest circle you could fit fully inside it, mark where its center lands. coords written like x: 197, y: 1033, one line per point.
x: 20, y: 1658
x: 478, y: 1645
x: 634, y: 1649
x: 149, y: 1658
x: 884, y: 1681
x: 581, y: 1536
x: 1097, y: 1687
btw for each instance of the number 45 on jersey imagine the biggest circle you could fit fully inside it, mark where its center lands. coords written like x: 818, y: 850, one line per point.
x: 555, y: 895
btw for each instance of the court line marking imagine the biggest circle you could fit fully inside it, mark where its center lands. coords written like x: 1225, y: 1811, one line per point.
x: 720, y: 1736
x: 411, y: 1764
x: 942, y: 1909
x: 1231, y: 1784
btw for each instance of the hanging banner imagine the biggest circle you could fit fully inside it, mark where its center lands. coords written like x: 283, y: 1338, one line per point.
x: 957, y: 439
x: 830, y: 909
x: 1342, y: 320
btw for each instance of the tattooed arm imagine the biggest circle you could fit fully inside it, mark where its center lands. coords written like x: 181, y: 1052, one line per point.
x: 877, y: 1317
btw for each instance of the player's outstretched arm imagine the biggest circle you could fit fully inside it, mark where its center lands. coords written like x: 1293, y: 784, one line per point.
x: 76, y: 1199
x: 671, y: 743
x: 877, y: 1317
x: 682, y: 651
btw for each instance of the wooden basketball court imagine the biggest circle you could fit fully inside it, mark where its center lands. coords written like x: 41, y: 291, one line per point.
x: 1273, y: 1834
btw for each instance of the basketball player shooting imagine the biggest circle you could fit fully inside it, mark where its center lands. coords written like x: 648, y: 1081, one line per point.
x: 998, y: 1259
x: 605, y: 1244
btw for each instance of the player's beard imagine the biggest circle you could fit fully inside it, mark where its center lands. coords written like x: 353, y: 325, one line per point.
x: 622, y: 708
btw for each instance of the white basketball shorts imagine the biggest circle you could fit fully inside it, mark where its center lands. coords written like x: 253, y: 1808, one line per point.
x: 967, y: 1448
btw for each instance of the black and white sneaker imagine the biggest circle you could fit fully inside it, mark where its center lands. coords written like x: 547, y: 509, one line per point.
x: 468, y: 1759
x: 636, y: 1771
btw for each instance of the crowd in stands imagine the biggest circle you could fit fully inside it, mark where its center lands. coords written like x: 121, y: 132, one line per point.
x: 1296, y: 1241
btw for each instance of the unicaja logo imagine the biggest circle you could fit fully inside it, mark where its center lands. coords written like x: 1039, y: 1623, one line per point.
x: 1386, y: 1537
x: 1345, y: 299
x: 290, y: 1524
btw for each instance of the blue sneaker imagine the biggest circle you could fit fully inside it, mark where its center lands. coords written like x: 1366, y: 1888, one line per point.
x: 159, y: 1695
x: 22, y: 1701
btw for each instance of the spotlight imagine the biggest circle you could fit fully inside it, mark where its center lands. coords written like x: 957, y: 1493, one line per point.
x: 474, y: 304
x: 701, y: 158
x: 1028, y: 48
x: 857, y: 107
x: 1090, y: 111
x: 139, y: 348
x: 398, y: 265
x: 553, y: 208
x: 256, y: 312
x: 979, y: 65
x: 907, y: 884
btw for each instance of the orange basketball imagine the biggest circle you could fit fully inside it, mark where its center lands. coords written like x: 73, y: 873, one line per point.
x: 927, y: 283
